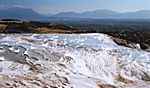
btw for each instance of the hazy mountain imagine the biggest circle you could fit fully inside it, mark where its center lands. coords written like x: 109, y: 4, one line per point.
x: 142, y: 14
x: 101, y: 14
x: 104, y: 13
x: 25, y: 13
x: 68, y: 15
x: 47, y: 15
x: 88, y: 14
x: 19, y: 13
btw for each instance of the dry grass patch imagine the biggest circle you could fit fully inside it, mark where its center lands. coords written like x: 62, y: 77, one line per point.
x: 3, y: 27
x: 47, y: 30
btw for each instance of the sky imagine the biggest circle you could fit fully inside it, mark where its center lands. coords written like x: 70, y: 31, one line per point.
x: 56, y: 6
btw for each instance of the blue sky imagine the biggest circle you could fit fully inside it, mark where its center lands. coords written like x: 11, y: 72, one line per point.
x: 55, y: 6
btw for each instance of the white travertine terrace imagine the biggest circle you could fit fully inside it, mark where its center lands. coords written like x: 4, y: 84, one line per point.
x: 70, y: 61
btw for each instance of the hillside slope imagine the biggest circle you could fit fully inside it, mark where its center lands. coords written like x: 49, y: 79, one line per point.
x: 18, y: 26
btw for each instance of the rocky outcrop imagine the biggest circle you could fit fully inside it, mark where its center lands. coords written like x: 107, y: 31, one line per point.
x: 127, y: 43
x: 131, y: 38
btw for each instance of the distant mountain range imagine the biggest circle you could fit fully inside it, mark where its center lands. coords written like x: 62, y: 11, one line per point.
x: 25, y: 13
x: 106, y: 14
x: 19, y: 13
